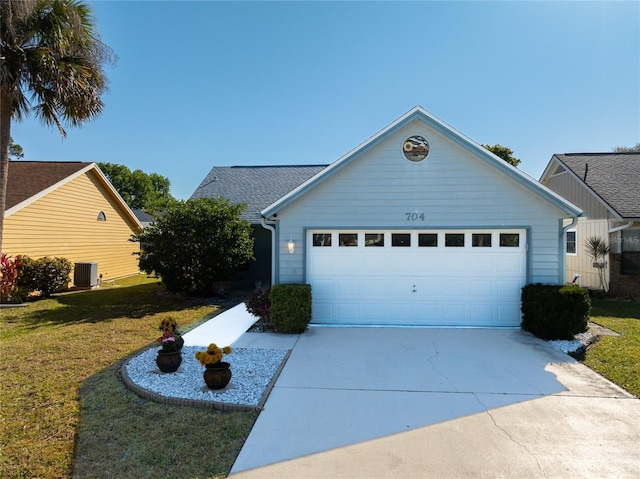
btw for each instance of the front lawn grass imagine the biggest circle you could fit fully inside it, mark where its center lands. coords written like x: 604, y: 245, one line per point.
x: 617, y: 357
x: 60, y: 360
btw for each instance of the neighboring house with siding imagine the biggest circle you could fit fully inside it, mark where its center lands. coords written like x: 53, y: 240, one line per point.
x: 71, y: 210
x: 418, y: 225
x: 607, y: 187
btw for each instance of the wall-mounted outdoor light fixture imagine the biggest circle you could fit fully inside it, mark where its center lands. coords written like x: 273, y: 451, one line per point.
x: 291, y: 246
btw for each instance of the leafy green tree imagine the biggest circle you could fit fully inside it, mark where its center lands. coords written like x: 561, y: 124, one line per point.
x: 503, y: 152
x: 51, y: 64
x: 15, y: 150
x: 149, y: 192
x: 196, y: 244
x: 627, y: 149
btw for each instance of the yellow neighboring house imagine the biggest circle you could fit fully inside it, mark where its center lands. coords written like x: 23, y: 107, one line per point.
x: 70, y: 210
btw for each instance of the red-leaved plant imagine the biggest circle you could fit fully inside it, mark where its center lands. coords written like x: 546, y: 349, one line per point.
x: 259, y: 303
x: 9, y: 274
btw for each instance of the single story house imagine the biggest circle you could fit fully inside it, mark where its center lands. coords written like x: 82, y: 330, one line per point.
x: 418, y: 225
x: 607, y: 187
x: 70, y: 210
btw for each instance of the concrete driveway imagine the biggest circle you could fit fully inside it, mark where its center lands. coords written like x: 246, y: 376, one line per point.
x: 442, y: 403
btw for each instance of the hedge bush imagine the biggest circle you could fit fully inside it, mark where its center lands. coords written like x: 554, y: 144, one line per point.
x: 47, y: 275
x: 554, y: 311
x: 290, y: 307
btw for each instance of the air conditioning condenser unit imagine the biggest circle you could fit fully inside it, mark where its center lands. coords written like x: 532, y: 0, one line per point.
x: 85, y: 275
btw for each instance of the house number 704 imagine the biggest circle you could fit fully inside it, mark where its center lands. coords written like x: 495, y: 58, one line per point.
x: 415, y: 216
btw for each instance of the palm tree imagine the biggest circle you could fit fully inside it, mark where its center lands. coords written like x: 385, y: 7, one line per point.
x: 51, y: 64
x: 598, y: 250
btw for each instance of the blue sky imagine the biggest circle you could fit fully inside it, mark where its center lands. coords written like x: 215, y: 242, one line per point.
x: 203, y: 84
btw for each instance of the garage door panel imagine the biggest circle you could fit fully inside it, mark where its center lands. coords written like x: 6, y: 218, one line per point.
x: 478, y: 311
x: 347, y: 310
x: 375, y: 287
x: 323, y: 310
x: 347, y: 288
x: 404, y: 262
x: 482, y: 289
x: 403, y: 312
x: 510, y: 264
x: 509, y: 289
x: 322, y: 265
x: 482, y: 262
x: 375, y: 311
x: 437, y: 286
x: 322, y: 288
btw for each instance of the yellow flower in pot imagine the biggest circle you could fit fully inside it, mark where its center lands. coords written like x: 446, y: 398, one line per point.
x: 217, y: 373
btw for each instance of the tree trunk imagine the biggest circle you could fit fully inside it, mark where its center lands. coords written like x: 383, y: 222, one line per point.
x: 5, y: 132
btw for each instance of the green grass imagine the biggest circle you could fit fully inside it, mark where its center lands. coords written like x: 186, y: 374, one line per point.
x: 61, y: 393
x: 617, y: 357
x: 65, y: 412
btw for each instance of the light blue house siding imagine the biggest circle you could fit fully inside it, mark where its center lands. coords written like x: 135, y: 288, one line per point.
x: 453, y: 187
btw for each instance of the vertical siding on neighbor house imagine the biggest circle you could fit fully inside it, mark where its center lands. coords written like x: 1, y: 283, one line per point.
x: 568, y: 187
x: 452, y: 187
x: 580, y: 262
x: 64, y: 223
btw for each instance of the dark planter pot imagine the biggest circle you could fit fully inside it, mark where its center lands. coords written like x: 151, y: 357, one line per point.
x: 179, y: 341
x: 169, y: 362
x: 217, y: 375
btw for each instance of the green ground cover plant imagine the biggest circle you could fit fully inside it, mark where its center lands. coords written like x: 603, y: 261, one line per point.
x: 61, y: 394
x: 617, y: 357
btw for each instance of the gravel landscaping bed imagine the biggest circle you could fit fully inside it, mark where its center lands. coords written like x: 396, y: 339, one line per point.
x: 254, y: 371
x: 577, y: 346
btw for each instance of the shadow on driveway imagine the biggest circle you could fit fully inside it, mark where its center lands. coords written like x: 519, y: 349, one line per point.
x: 390, y: 402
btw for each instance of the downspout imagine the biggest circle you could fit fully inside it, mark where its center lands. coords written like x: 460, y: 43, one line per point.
x: 569, y: 226
x: 563, y: 241
x: 273, y: 248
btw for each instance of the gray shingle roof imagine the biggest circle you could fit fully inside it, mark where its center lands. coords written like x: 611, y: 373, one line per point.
x: 614, y: 177
x: 258, y: 186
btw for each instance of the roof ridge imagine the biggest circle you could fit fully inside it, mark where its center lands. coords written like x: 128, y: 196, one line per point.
x: 51, y: 161
x: 603, y: 153
x: 273, y: 166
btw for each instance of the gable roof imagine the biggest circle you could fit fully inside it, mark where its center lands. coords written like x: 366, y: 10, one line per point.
x: 257, y: 186
x: 419, y: 113
x: 145, y: 218
x: 28, y: 178
x: 28, y: 181
x: 614, y: 178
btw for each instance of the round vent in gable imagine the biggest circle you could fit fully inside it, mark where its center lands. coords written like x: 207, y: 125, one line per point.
x: 415, y: 148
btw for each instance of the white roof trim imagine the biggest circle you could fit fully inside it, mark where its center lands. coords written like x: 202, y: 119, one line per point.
x: 420, y: 113
x: 55, y: 186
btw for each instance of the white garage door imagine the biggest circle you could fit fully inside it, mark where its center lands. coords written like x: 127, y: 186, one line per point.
x: 430, y: 278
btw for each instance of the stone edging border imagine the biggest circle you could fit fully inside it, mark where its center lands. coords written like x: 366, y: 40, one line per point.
x: 221, y: 406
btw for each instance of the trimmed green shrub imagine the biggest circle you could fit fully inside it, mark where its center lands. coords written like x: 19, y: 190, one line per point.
x: 47, y: 275
x: 554, y: 311
x: 290, y: 307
